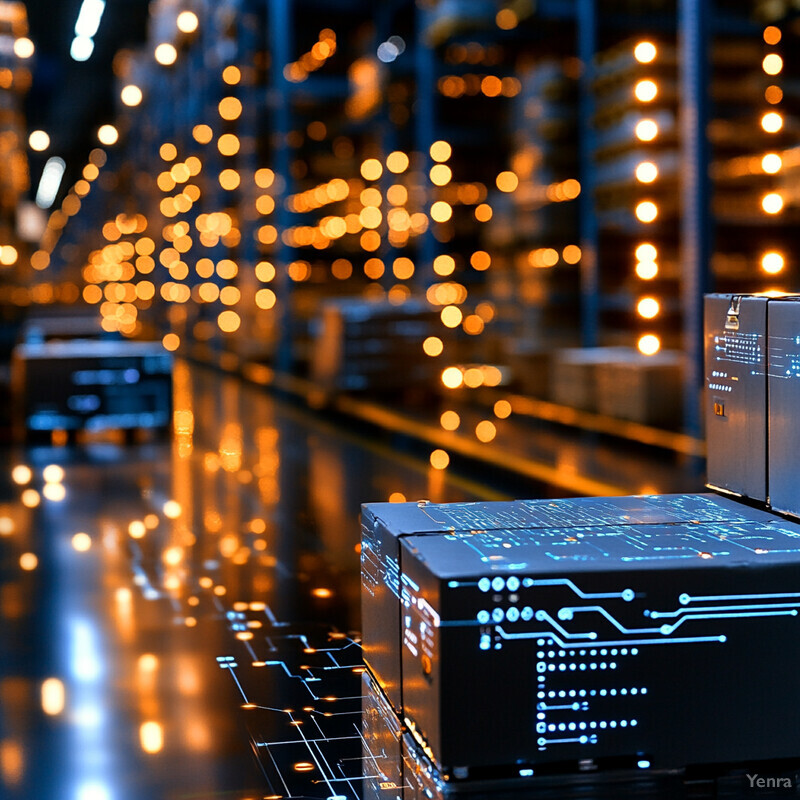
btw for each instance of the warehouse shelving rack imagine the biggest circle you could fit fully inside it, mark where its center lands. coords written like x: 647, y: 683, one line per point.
x: 263, y: 38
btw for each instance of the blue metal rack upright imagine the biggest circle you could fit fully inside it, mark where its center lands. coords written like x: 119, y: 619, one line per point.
x: 696, y: 222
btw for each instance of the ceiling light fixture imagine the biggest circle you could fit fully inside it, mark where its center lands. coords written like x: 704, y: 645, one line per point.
x: 50, y: 182
x: 85, y: 29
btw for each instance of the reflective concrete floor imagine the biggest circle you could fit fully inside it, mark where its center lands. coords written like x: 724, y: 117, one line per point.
x: 117, y: 602
x: 166, y: 608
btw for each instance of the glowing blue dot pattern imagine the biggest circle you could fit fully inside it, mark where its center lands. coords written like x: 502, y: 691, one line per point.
x: 739, y: 348
x: 573, y: 618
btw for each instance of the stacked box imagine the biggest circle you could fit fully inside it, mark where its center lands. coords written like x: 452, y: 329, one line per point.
x: 615, y: 635
x: 384, y: 772
x: 601, y: 645
x: 753, y: 393
x: 574, y: 374
x: 92, y: 385
x: 783, y: 391
x: 396, y: 768
x: 645, y: 389
x: 363, y: 345
x: 736, y: 394
x: 530, y: 369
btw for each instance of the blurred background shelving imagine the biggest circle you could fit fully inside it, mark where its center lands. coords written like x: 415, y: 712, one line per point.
x: 410, y: 199
x: 441, y: 249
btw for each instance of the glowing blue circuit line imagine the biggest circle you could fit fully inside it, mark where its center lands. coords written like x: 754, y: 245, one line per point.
x: 751, y: 537
x: 270, y: 708
x: 692, y: 554
x: 617, y: 625
x: 270, y: 615
x: 239, y: 685
x: 565, y: 741
x: 267, y: 745
x: 395, y: 589
x: 250, y: 650
x: 792, y: 613
x: 274, y: 763
x: 405, y: 579
x: 317, y: 761
x: 543, y: 616
x: 337, y: 713
x: 620, y: 643
x: 700, y: 609
x: 282, y: 665
x: 469, y: 544
x: 785, y: 550
x: 370, y: 757
x: 571, y: 585
x: 700, y: 598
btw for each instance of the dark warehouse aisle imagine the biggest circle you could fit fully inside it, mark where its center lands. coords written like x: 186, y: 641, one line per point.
x: 398, y: 399
x: 114, y: 599
x: 169, y: 606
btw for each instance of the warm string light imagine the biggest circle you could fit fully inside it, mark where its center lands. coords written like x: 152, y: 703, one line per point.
x: 44, y: 292
x: 451, y: 295
x: 772, y: 203
x: 645, y: 91
x: 166, y: 54
x: 471, y: 85
x: 447, y: 294
x: 400, y: 222
x: 110, y: 273
x: 323, y: 49
x: 386, y: 213
x: 39, y: 141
